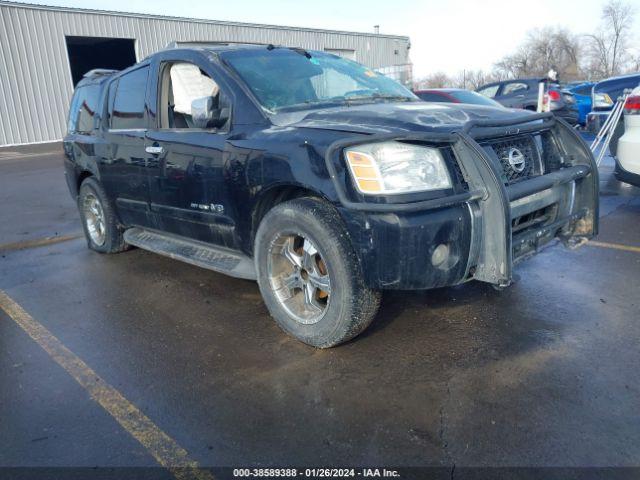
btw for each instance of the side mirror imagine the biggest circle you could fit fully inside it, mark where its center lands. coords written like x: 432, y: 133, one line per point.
x: 205, y: 114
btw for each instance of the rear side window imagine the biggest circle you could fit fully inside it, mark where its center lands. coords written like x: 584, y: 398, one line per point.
x: 511, y: 88
x: 82, y: 114
x: 127, y: 110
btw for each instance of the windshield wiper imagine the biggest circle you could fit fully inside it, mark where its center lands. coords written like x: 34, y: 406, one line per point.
x: 337, y: 101
x: 300, y: 51
x: 377, y: 96
x: 311, y: 104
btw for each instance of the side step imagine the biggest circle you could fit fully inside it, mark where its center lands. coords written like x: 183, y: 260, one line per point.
x: 190, y: 251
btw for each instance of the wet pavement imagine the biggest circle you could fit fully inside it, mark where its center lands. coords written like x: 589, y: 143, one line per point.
x: 544, y: 373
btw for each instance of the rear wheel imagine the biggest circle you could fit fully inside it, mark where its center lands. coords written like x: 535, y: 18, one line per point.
x: 309, y: 276
x: 99, y: 221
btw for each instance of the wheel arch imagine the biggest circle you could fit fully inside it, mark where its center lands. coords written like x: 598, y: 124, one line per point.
x: 275, y: 195
x: 82, y: 176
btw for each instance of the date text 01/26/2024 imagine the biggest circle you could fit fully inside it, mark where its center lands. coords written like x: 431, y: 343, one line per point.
x: 315, y: 473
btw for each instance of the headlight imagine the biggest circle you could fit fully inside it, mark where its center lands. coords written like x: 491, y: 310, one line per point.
x: 602, y: 100
x: 394, y: 167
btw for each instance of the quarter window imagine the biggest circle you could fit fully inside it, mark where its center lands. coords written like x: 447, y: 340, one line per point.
x: 82, y: 113
x: 127, y: 111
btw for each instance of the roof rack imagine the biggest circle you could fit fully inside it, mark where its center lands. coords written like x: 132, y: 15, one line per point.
x: 98, y: 72
x: 204, y: 44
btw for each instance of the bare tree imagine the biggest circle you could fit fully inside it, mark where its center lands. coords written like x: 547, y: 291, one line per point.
x: 434, y: 80
x: 476, y: 78
x: 469, y: 79
x: 542, y: 49
x: 472, y: 79
x: 634, y: 64
x: 609, y: 44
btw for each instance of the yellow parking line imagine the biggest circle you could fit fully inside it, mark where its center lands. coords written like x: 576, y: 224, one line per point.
x: 38, y: 242
x: 163, y: 448
x: 615, y: 246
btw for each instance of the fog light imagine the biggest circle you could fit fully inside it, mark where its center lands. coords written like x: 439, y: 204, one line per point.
x: 440, y: 255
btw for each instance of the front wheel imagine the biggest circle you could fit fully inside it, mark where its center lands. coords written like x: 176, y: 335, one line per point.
x: 309, y: 276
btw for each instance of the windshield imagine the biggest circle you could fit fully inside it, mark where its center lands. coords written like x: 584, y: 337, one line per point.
x: 465, y: 96
x: 284, y: 79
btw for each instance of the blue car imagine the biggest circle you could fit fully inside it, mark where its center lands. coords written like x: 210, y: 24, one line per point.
x: 605, y: 94
x: 582, y: 93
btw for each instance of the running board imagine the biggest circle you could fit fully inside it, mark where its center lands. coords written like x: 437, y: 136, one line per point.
x: 191, y: 251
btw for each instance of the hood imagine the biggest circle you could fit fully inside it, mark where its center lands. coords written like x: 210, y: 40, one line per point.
x: 394, y: 117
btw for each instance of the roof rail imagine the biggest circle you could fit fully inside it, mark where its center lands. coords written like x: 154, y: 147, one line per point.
x: 187, y: 44
x: 97, y: 72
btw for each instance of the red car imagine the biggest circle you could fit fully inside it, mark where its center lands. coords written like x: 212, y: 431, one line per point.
x: 455, y: 95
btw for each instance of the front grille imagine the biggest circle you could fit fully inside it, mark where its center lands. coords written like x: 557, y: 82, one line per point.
x: 461, y: 181
x: 551, y: 156
x: 534, y: 219
x: 540, y: 150
x: 518, y: 156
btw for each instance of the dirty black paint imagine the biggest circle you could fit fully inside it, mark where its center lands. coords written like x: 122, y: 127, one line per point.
x: 154, y: 176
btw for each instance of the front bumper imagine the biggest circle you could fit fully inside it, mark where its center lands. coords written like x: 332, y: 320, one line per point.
x: 596, y: 119
x: 625, y: 176
x: 486, y: 230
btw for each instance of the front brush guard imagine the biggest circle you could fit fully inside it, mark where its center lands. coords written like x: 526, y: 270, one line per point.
x: 491, y: 255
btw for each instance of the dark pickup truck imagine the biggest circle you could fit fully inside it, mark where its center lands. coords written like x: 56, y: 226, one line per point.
x: 321, y: 179
x: 523, y: 93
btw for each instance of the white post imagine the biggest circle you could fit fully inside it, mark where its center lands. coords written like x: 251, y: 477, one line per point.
x: 540, y: 97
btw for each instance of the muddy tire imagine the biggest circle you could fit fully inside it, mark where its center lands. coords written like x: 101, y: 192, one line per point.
x: 99, y: 221
x: 309, y: 275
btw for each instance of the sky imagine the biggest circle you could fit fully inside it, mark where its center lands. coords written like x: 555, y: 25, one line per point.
x: 446, y: 35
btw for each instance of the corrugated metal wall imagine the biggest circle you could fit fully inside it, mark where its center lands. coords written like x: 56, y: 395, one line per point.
x: 35, y: 78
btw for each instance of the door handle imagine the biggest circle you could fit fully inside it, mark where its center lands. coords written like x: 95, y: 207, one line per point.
x: 154, y: 149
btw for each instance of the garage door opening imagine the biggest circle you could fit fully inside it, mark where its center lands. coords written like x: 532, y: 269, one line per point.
x: 87, y: 53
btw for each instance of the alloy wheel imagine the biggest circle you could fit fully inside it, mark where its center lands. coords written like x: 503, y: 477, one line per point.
x: 299, y: 278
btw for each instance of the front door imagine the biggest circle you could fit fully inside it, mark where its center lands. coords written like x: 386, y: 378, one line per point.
x: 186, y: 165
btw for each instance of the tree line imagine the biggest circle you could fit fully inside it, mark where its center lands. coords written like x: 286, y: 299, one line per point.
x: 608, y: 51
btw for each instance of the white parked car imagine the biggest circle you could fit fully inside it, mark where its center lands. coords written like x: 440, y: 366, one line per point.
x: 628, y: 152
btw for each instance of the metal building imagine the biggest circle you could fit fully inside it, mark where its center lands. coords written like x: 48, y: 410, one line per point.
x: 45, y: 50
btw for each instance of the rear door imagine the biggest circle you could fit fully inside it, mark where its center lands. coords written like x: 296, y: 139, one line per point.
x: 123, y: 171
x: 82, y: 144
x: 514, y: 94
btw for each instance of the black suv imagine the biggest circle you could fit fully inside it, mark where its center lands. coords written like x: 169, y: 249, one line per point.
x: 523, y: 93
x: 321, y: 179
